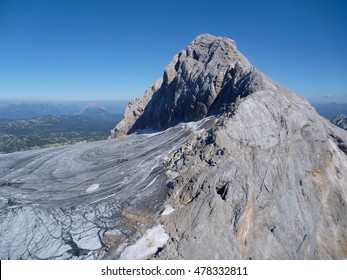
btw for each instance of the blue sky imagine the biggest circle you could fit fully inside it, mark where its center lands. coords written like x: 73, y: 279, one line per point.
x: 109, y: 49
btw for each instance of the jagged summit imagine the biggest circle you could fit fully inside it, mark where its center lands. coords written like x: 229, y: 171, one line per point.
x: 200, y: 81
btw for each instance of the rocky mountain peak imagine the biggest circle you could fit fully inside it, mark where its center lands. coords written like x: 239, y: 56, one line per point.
x: 203, y: 80
x: 263, y: 177
x: 207, y: 54
x: 267, y: 179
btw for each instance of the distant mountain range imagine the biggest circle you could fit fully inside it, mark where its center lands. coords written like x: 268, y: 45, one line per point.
x: 26, y: 110
x: 47, y: 131
x: 25, y: 126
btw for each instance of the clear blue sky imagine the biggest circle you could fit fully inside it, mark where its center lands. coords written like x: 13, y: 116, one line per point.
x: 115, y: 49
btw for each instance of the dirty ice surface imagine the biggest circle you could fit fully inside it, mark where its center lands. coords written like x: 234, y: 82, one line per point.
x: 61, y: 202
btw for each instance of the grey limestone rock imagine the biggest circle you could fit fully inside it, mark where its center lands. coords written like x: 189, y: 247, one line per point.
x: 134, y: 110
x: 200, y: 81
x: 267, y: 182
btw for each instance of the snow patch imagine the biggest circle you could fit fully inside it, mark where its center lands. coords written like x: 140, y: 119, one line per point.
x: 152, y: 182
x: 149, y: 132
x: 196, y: 125
x: 168, y: 210
x: 148, y: 244
x: 92, y: 188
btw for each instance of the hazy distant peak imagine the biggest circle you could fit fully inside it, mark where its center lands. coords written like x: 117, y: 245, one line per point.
x: 93, y: 105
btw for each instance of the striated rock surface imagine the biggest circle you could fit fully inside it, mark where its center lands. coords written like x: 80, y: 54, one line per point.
x: 340, y: 120
x: 267, y: 182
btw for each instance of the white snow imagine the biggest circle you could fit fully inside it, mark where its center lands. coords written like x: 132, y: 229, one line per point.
x: 196, y: 125
x: 152, y: 182
x: 93, y: 188
x: 148, y: 244
x: 193, y: 125
x: 150, y: 133
x: 168, y: 210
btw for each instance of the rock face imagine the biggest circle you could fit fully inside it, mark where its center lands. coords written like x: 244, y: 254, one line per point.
x: 134, y: 110
x: 268, y: 181
x: 260, y: 175
x: 340, y: 120
x: 200, y: 81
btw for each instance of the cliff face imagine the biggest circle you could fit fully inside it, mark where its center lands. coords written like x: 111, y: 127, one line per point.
x: 200, y: 81
x: 134, y: 110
